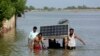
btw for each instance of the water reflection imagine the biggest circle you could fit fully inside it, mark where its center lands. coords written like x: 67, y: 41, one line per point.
x: 8, y: 43
x: 68, y: 53
x: 55, y: 52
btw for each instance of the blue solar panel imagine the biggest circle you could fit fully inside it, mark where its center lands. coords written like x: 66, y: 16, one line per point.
x: 54, y: 30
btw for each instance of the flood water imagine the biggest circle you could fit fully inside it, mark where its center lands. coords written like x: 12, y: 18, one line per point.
x: 86, y: 25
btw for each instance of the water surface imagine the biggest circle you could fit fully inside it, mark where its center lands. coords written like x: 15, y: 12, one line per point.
x: 86, y: 25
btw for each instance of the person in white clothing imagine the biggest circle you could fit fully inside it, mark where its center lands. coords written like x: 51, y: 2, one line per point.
x: 70, y: 40
x: 32, y: 36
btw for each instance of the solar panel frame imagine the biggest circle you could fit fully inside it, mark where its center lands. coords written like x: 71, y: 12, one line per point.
x: 54, y: 30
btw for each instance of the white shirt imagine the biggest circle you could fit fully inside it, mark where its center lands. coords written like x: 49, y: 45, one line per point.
x: 72, y: 42
x: 32, y: 35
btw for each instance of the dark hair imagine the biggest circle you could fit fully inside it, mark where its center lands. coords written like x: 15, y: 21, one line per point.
x: 34, y: 27
x: 40, y: 34
x: 71, y: 29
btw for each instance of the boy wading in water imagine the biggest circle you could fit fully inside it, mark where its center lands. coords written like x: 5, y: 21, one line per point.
x: 70, y: 42
x: 38, y: 42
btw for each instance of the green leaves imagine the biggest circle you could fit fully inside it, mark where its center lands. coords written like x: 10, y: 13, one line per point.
x: 8, y: 12
x: 20, y: 6
x: 5, y: 9
x: 11, y: 7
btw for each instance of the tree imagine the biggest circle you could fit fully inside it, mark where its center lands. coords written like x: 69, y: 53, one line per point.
x: 83, y: 7
x: 71, y: 7
x: 32, y: 8
x: 29, y: 8
x: 10, y: 7
x: 6, y: 9
x: 19, y: 6
x: 59, y: 8
x: 45, y: 8
x: 98, y: 7
x: 26, y: 7
x: 52, y: 8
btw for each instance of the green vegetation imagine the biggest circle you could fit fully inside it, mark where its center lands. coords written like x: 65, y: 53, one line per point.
x: 53, y: 8
x: 30, y: 8
x: 10, y: 7
x: 45, y: 8
x: 81, y: 7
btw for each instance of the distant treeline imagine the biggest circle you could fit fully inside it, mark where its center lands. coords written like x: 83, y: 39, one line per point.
x: 53, y: 8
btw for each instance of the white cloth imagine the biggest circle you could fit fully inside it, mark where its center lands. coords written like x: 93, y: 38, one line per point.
x: 32, y: 35
x: 72, y: 42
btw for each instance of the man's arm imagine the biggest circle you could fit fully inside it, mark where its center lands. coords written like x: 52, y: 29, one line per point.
x: 29, y: 38
x: 43, y: 46
x: 80, y: 39
x: 66, y: 40
x: 30, y: 41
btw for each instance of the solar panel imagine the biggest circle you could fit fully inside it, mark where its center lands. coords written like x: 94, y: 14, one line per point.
x: 54, y: 30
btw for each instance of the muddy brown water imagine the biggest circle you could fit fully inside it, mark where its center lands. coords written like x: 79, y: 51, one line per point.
x: 86, y: 24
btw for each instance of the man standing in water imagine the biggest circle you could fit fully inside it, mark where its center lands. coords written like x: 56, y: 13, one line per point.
x: 70, y: 40
x: 32, y: 36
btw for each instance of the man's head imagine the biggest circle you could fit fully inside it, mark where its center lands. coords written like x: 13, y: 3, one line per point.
x: 34, y: 29
x: 40, y: 35
x: 71, y: 30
